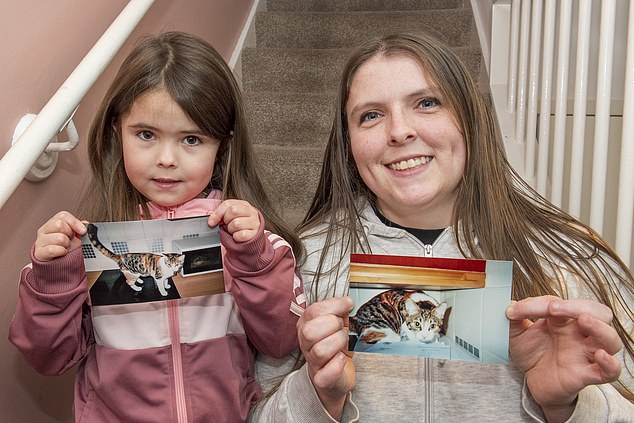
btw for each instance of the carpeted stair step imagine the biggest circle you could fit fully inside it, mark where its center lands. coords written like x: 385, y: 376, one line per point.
x: 311, y: 70
x: 361, y: 5
x: 346, y: 29
x: 290, y: 175
x: 290, y: 119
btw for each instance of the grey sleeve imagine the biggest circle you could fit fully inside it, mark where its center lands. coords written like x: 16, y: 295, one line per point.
x: 596, y: 403
x: 295, y: 401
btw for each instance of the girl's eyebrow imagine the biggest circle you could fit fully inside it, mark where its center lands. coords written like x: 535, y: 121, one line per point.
x: 141, y: 125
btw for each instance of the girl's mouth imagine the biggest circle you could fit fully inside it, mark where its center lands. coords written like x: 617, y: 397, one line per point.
x: 410, y: 163
x: 165, y: 182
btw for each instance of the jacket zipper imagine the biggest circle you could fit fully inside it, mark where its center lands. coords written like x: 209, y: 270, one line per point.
x: 429, y: 394
x: 429, y: 386
x: 179, y: 385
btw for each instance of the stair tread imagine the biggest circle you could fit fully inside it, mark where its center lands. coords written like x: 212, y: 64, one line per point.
x: 309, y: 70
x: 308, y: 114
x: 323, y: 5
x: 344, y: 29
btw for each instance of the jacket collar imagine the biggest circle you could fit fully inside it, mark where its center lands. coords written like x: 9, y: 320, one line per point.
x: 191, y: 208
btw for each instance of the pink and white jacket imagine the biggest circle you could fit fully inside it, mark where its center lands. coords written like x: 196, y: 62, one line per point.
x: 185, y: 360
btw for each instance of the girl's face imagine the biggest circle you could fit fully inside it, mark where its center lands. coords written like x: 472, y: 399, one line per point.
x: 405, y: 141
x: 166, y: 156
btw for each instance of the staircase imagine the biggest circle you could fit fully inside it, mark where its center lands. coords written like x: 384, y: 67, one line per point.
x: 291, y: 76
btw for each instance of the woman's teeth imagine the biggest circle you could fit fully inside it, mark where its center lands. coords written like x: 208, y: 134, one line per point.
x: 410, y: 164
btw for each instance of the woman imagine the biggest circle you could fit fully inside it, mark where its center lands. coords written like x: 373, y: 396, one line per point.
x: 415, y: 166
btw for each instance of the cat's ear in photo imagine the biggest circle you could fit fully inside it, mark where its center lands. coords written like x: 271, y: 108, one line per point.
x: 445, y: 320
x: 411, y: 307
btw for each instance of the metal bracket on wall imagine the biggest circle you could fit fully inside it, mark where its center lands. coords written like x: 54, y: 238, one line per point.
x: 45, y: 164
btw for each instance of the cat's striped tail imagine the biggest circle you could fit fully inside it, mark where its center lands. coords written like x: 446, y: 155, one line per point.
x: 91, y: 231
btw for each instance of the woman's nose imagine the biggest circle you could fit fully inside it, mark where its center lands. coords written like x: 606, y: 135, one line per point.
x: 401, y: 128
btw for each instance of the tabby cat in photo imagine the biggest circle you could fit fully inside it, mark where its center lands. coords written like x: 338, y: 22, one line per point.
x: 399, y: 314
x: 161, y: 267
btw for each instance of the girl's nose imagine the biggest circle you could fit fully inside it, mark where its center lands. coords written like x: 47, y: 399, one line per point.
x: 166, y: 154
x: 401, y: 128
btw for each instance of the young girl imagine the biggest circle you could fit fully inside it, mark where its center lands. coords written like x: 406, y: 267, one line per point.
x: 169, y: 140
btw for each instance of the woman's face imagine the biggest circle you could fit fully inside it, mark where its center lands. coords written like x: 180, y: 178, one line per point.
x: 405, y: 141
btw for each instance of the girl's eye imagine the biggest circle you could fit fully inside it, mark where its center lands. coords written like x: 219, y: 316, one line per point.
x: 428, y: 103
x: 192, y: 140
x: 369, y: 116
x: 146, y: 135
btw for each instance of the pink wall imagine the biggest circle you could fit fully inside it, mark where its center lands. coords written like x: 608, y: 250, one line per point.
x: 41, y: 42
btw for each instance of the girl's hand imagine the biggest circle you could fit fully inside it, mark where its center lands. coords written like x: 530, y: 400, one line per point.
x: 61, y: 234
x: 323, y: 338
x: 241, y: 219
x: 565, y: 346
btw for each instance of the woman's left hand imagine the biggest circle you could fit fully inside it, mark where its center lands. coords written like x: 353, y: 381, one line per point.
x: 562, y: 346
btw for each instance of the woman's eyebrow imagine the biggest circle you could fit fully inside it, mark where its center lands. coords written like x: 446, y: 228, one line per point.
x: 423, y: 92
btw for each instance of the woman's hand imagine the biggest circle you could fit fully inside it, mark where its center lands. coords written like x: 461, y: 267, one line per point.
x: 59, y: 235
x: 562, y: 346
x: 241, y: 219
x: 323, y: 339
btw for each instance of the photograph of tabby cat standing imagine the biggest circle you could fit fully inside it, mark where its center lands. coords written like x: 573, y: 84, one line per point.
x: 169, y: 140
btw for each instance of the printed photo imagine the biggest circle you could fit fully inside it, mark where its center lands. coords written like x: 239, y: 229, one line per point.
x: 152, y: 260
x: 430, y: 307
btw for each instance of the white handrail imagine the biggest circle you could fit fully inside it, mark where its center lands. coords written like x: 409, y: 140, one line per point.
x: 18, y: 160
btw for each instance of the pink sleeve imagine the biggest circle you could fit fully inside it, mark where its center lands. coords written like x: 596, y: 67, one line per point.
x: 51, y: 326
x: 267, y: 289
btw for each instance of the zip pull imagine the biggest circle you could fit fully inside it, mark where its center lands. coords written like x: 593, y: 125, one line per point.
x: 429, y: 249
x: 171, y: 213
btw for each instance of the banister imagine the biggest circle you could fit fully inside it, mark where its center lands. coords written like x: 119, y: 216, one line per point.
x: 31, y: 144
x: 595, y: 205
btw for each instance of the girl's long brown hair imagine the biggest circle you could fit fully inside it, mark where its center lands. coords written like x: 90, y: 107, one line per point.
x: 494, y: 206
x: 199, y: 80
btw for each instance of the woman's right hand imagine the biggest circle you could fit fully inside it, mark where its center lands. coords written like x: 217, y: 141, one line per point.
x: 59, y: 235
x: 323, y: 338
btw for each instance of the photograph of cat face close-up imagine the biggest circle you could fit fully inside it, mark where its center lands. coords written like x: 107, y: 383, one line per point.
x: 421, y: 311
x: 399, y: 315
x: 143, y: 261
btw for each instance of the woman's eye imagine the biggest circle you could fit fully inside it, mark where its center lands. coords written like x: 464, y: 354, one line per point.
x: 428, y: 103
x: 192, y: 140
x: 369, y: 116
